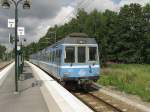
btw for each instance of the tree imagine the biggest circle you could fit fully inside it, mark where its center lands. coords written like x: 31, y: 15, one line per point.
x: 2, y: 51
x: 129, y: 34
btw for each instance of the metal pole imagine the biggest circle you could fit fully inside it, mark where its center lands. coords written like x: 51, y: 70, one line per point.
x: 21, y: 58
x: 16, y: 39
x: 16, y: 52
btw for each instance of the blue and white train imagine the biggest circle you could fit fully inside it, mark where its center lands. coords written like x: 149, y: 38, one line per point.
x: 74, y: 58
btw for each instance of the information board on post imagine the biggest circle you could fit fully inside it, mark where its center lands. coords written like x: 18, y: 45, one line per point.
x: 11, y: 23
x: 21, y: 31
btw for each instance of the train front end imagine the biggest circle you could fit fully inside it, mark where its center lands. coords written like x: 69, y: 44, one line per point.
x: 81, y: 61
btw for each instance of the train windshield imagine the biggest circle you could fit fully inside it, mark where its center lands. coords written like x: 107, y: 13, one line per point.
x: 70, y: 54
x: 92, y: 53
x: 81, y: 55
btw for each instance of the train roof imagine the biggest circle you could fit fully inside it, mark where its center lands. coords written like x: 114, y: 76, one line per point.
x: 78, y: 35
x: 73, y: 38
x: 76, y: 38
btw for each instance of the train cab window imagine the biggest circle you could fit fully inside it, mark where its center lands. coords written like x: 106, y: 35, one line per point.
x: 81, y: 55
x: 70, y: 54
x: 92, y: 53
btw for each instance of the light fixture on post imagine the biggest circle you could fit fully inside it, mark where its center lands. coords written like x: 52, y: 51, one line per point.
x: 26, y: 5
x: 5, y: 4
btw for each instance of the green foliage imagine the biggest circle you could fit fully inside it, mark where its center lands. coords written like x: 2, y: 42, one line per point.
x: 122, y: 37
x: 130, y: 78
x: 2, y: 52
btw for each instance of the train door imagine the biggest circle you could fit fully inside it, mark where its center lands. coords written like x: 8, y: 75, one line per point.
x: 92, y: 52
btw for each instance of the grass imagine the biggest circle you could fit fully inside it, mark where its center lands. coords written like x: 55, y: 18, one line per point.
x: 130, y: 78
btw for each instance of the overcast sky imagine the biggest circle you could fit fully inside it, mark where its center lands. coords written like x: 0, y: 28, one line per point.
x: 46, y: 13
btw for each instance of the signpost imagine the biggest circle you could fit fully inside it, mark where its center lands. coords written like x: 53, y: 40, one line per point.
x: 11, y: 23
x: 21, y: 31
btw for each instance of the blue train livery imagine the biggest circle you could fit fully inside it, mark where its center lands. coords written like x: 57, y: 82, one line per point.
x: 74, y: 58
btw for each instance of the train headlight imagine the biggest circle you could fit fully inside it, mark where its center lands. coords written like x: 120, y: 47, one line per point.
x: 66, y: 73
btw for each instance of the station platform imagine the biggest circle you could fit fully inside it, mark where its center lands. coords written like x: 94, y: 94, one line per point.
x: 38, y: 92
x: 29, y: 97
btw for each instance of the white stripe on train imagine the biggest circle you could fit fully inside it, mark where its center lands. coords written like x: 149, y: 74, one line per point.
x: 81, y: 66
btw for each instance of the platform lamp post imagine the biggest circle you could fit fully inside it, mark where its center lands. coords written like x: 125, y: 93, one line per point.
x: 26, y: 5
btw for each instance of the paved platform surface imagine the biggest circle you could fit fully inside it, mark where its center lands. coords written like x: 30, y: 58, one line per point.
x: 29, y: 98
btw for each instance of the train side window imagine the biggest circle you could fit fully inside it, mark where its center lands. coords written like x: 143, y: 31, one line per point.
x: 92, y: 53
x: 70, y: 54
x: 58, y: 56
x: 55, y: 56
x: 81, y: 55
x: 51, y: 56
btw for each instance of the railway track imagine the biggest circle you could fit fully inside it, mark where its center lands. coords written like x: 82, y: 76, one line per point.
x: 96, y: 103
x: 100, y: 102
